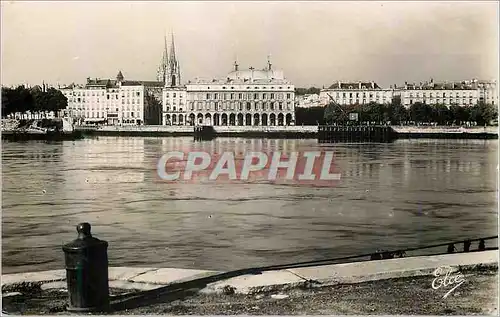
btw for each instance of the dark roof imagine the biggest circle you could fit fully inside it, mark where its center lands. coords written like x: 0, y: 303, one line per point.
x: 131, y: 83
x: 108, y: 83
x: 441, y: 86
x: 153, y: 83
x: 111, y: 83
x: 364, y: 85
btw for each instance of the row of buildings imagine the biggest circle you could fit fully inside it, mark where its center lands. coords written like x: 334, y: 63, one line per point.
x: 462, y: 93
x: 256, y: 97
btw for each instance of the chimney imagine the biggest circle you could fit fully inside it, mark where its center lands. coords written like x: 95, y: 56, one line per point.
x: 373, y: 85
x: 359, y: 85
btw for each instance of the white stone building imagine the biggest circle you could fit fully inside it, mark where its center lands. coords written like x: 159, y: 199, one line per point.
x: 106, y: 101
x: 488, y: 92
x: 308, y: 101
x: 453, y: 93
x: 245, y: 97
x: 350, y: 93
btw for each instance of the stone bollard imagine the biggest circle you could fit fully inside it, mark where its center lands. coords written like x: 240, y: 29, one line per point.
x: 451, y: 248
x: 467, y: 246
x: 482, y: 245
x: 87, y: 272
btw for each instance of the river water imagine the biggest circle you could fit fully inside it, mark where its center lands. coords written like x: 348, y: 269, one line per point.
x: 403, y: 194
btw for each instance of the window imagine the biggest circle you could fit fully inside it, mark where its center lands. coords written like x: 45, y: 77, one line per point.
x: 272, y: 96
x: 138, y: 95
x: 272, y: 105
x: 239, y: 96
x: 174, y: 94
x: 249, y: 106
x: 280, y: 106
x: 208, y: 96
x: 132, y: 114
x: 166, y: 95
x: 255, y: 96
x: 232, y: 96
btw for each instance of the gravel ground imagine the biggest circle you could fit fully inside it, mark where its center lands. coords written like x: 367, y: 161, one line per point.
x: 477, y: 296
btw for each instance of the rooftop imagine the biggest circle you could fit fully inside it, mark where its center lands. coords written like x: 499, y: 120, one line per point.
x: 354, y: 85
x: 247, y: 76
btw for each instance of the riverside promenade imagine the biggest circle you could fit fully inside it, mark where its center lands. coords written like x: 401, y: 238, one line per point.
x: 412, y: 274
x: 286, y: 131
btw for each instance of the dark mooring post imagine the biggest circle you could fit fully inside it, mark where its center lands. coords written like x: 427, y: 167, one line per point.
x: 87, y: 272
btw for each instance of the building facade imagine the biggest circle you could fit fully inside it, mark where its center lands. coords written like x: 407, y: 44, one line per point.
x: 244, y: 98
x: 466, y: 93
x: 307, y: 101
x: 488, y: 92
x: 106, y: 101
x: 350, y: 93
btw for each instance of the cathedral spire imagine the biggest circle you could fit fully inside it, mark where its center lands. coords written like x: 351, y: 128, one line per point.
x: 162, y: 69
x: 173, y: 60
x: 173, y: 73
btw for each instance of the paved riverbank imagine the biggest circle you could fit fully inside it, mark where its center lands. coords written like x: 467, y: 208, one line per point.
x: 299, y: 288
x: 287, y: 131
x: 151, y: 278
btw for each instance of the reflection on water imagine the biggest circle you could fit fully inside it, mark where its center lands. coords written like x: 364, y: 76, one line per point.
x: 408, y: 193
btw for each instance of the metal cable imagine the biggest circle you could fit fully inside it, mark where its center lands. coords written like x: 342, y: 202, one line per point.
x: 178, y: 290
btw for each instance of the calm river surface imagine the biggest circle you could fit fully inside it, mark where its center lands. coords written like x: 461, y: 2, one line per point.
x: 404, y: 194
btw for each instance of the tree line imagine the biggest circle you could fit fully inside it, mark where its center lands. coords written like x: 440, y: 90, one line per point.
x: 307, y: 91
x: 36, y: 99
x: 395, y: 114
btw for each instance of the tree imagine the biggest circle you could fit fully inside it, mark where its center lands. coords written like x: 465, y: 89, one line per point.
x: 309, y: 116
x: 483, y: 113
x: 22, y: 99
x: 334, y: 113
x: 458, y: 114
x: 307, y: 91
x: 440, y: 114
x: 372, y: 112
x: 397, y: 113
x: 56, y: 101
x: 420, y: 112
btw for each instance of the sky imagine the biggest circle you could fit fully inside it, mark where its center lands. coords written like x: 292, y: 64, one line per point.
x: 314, y: 43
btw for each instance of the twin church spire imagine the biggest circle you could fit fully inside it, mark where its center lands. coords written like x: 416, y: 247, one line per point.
x: 169, y: 69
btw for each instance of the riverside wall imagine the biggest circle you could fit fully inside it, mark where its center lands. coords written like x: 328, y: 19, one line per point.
x: 288, y: 131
